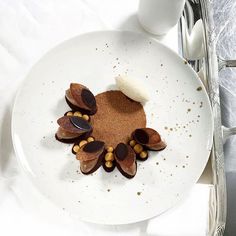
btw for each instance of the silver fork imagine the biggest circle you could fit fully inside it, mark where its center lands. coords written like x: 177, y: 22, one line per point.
x: 222, y: 63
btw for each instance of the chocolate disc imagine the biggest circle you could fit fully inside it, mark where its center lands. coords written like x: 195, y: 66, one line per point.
x: 88, y: 98
x: 80, y: 123
x: 93, y: 146
x: 121, y: 151
x: 141, y: 136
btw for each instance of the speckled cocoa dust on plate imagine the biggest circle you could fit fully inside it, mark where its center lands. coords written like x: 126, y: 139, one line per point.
x: 116, y: 118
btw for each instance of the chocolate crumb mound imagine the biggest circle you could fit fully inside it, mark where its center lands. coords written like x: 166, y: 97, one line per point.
x: 116, y: 118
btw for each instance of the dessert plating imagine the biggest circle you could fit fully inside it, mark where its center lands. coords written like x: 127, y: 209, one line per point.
x: 107, y: 130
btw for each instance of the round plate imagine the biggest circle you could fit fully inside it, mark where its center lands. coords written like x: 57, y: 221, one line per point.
x: 179, y: 110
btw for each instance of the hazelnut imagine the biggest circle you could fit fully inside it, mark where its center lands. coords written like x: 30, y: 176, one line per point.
x: 143, y: 154
x: 109, y: 156
x: 78, y: 113
x: 82, y: 143
x: 76, y: 148
x: 90, y: 139
x: 132, y: 143
x: 138, y: 148
x: 69, y: 113
x: 108, y: 164
x: 86, y: 117
x: 110, y: 149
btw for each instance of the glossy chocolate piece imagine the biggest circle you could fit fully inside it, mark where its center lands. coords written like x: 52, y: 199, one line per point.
x: 121, y: 151
x: 149, y: 138
x: 94, y: 146
x: 81, y: 98
x: 142, y: 136
x: 80, y: 123
x: 68, y: 138
x: 74, y: 124
x: 88, y: 99
x: 91, y: 156
x: 71, y: 128
x: 126, y: 160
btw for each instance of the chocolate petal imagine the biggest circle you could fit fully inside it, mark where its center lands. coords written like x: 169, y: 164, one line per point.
x: 91, y: 151
x: 80, y: 97
x: 70, y: 98
x: 149, y: 138
x: 63, y: 134
x: 94, y: 147
x: 158, y: 146
x: 141, y: 136
x: 127, y: 165
x: 121, y: 151
x: 88, y: 99
x: 80, y: 123
x: 74, y: 124
x: 88, y: 167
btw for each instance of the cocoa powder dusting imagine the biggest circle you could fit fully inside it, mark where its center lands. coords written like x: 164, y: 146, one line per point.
x: 116, y: 118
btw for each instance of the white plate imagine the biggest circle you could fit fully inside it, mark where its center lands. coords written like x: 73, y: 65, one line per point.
x: 94, y: 60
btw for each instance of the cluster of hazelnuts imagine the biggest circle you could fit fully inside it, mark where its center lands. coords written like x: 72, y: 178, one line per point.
x: 79, y: 114
x: 140, y: 151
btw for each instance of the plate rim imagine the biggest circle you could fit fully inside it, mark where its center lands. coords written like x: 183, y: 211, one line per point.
x: 26, y: 168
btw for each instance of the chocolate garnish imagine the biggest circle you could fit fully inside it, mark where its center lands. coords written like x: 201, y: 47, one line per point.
x: 127, y: 166
x: 91, y: 151
x: 153, y: 142
x: 94, y: 165
x: 79, y: 97
x: 93, y: 146
x: 141, y: 136
x: 80, y: 123
x: 91, y: 156
x: 121, y: 151
x: 88, y: 98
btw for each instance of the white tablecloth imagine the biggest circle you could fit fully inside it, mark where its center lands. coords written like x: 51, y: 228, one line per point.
x: 225, y: 32
x: 29, y: 28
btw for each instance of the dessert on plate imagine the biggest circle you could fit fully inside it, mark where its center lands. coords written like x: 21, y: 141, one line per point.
x: 108, y: 129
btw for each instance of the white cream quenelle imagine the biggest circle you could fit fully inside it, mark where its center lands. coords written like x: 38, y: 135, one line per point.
x: 133, y: 88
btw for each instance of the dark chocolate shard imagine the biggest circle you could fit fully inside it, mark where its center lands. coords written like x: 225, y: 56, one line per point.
x: 121, y: 151
x: 141, y: 136
x: 80, y: 123
x: 149, y: 138
x: 127, y: 166
x: 89, y: 99
x: 94, y: 146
